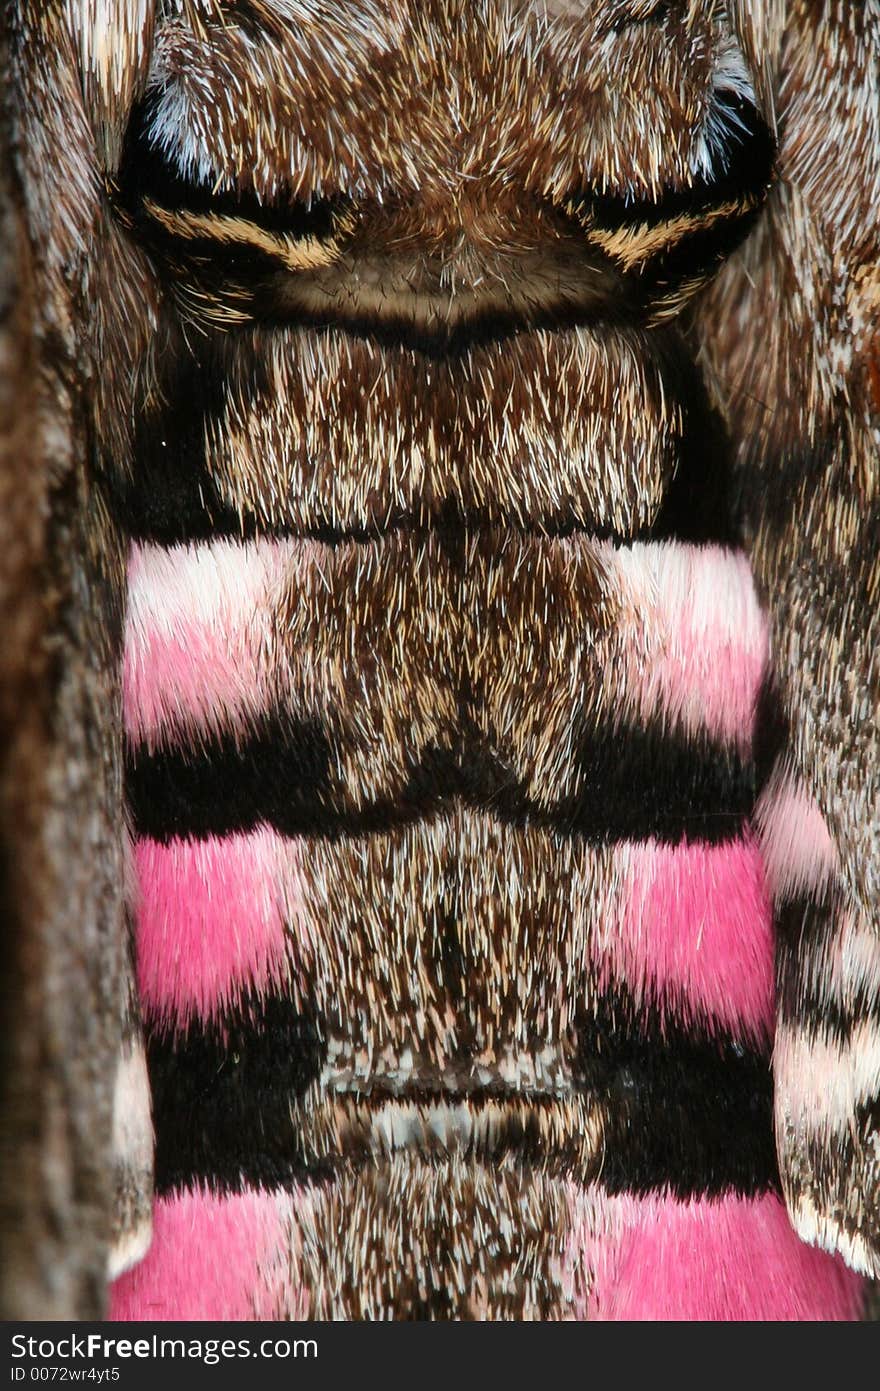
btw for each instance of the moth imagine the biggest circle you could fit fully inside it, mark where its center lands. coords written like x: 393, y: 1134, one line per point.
x: 439, y: 789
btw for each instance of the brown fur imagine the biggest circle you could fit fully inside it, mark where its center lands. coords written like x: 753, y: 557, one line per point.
x: 793, y: 367
x: 548, y: 430
x: 60, y: 793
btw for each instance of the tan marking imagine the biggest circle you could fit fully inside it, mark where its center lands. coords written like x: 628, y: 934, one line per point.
x: 632, y: 245
x: 296, y: 253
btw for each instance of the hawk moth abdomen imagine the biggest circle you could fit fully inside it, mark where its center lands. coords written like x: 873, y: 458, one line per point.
x: 444, y: 682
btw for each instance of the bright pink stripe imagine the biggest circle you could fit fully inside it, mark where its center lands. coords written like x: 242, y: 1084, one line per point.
x: 213, y: 919
x: 698, y: 638
x: 695, y: 933
x: 195, y: 677
x: 214, y: 1258
x: 198, y: 637
x: 799, y: 853
x: 729, y: 1259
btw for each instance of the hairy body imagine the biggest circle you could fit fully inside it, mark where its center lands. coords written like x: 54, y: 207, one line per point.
x: 414, y: 370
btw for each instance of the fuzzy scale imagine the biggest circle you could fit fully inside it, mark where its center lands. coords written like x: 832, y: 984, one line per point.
x: 473, y: 870
x: 622, y: 1259
x: 801, y: 318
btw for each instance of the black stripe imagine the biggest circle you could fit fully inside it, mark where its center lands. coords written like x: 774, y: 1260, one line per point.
x: 145, y: 172
x: 169, y: 496
x: 745, y: 173
x: 169, y: 502
x: 438, y: 342
x: 222, y: 1097
x: 642, y: 783
x: 695, y: 255
x: 687, y: 1111
x: 683, y: 1112
x: 807, y: 930
x: 772, y: 734
x: 636, y: 784
x: 277, y: 775
x: 696, y: 252
x: 698, y: 506
x: 808, y: 922
x: 161, y: 504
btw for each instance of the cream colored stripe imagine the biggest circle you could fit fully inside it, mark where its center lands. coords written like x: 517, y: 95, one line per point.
x: 799, y: 854
x: 132, y: 1146
x: 296, y: 253
x: 631, y: 245
x: 820, y: 1083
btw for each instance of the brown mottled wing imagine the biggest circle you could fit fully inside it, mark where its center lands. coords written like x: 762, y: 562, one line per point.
x: 797, y: 369
x: 63, y: 1014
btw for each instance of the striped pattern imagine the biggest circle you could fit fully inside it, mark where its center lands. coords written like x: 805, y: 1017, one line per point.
x: 686, y: 926
x: 446, y: 691
x: 646, y: 632
x: 445, y: 684
x: 546, y: 1251
x: 491, y: 972
x: 294, y: 431
x: 827, y: 1045
x: 793, y: 326
x: 221, y: 635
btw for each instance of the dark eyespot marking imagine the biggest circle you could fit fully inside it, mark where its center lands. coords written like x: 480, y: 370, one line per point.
x: 231, y: 257
x: 669, y: 244
x: 217, y: 235
x: 743, y: 174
